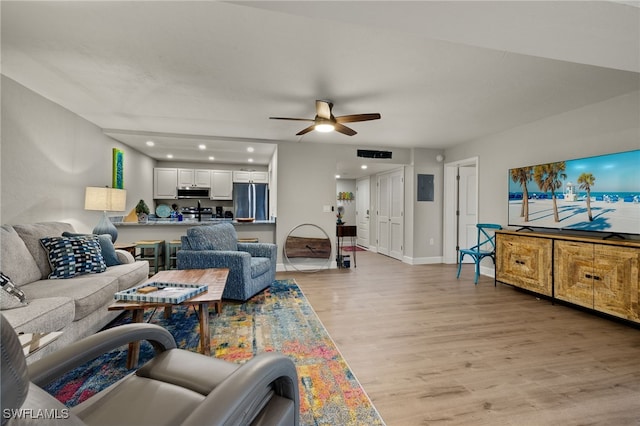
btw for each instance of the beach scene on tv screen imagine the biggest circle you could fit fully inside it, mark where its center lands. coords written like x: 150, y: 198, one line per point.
x: 599, y: 193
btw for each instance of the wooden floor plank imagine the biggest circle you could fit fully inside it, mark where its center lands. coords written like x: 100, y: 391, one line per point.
x: 430, y: 349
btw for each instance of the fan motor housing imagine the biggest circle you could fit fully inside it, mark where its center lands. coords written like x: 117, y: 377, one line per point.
x: 367, y: 153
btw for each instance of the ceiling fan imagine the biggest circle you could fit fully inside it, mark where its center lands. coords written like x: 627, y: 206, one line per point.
x: 326, y: 122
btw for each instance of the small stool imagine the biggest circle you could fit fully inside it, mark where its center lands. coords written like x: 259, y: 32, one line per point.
x: 153, y: 246
x: 171, y: 254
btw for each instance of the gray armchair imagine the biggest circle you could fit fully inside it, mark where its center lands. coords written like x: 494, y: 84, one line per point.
x: 176, y: 387
x: 252, y: 266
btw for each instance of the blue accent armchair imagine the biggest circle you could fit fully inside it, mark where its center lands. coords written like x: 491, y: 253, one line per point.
x: 252, y: 266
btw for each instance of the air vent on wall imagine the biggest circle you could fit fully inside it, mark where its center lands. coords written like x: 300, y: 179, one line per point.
x: 366, y: 153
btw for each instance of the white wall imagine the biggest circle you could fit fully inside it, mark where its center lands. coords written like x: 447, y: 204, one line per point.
x: 347, y: 185
x: 49, y: 155
x: 424, y: 243
x: 605, y: 127
x: 306, y: 183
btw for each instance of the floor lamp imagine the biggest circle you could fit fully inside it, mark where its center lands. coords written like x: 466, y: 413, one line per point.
x: 105, y: 199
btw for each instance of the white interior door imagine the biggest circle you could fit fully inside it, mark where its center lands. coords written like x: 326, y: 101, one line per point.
x: 468, y: 204
x: 363, y: 204
x: 384, y: 213
x: 391, y: 214
x: 397, y: 215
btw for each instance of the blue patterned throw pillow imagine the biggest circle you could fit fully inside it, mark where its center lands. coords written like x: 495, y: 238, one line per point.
x: 71, y: 256
x: 108, y: 250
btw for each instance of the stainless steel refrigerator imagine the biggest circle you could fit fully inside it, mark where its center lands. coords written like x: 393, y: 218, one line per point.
x: 251, y: 200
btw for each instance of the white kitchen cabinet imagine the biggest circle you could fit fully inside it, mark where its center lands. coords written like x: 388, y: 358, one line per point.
x: 221, y: 185
x: 165, y: 183
x: 202, y: 178
x: 194, y: 177
x: 185, y: 177
x: 242, y: 176
x: 260, y: 177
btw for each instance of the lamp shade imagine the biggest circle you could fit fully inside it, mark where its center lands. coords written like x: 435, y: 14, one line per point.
x: 105, y: 199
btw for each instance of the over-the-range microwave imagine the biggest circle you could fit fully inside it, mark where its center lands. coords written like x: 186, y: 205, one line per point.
x: 193, y: 192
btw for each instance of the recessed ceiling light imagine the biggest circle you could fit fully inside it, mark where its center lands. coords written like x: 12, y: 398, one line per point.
x: 364, y: 166
x: 212, y: 158
x: 250, y: 149
x: 337, y: 176
x: 202, y: 146
x: 169, y: 155
x: 150, y: 143
x: 250, y: 160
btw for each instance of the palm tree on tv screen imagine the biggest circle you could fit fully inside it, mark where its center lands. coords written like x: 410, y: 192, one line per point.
x: 522, y: 176
x: 549, y: 178
x: 586, y: 181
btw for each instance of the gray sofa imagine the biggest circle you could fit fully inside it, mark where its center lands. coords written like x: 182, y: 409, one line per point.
x: 76, y: 306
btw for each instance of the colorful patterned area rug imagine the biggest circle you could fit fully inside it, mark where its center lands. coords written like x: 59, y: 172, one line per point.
x: 279, y: 319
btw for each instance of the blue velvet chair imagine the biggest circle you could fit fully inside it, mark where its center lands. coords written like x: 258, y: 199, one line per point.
x: 485, y: 247
x: 252, y: 266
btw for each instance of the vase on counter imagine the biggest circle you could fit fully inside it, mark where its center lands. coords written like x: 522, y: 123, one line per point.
x: 143, y: 218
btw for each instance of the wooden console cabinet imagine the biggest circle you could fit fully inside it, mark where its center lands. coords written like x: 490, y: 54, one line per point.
x: 602, y: 275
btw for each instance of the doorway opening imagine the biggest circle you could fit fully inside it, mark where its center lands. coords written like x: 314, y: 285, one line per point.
x: 460, y: 207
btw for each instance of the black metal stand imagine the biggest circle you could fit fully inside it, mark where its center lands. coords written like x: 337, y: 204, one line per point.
x: 343, y: 231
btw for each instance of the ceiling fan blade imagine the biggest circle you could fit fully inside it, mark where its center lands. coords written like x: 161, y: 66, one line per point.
x: 323, y: 109
x: 294, y: 119
x: 357, y: 117
x: 344, y: 129
x: 307, y: 130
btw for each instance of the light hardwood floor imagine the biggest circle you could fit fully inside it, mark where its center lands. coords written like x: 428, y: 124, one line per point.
x: 429, y: 349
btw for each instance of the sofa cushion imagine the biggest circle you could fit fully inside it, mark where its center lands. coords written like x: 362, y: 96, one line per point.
x: 31, y: 235
x: 42, y: 315
x: 88, y: 292
x: 108, y: 250
x: 129, y: 274
x: 15, y: 259
x: 71, y: 256
x: 259, y: 265
x: 222, y: 236
x: 11, y: 297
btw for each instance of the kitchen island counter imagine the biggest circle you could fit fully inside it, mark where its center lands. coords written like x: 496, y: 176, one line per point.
x: 129, y: 232
x: 193, y: 222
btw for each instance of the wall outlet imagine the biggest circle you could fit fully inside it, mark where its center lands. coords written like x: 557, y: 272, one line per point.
x: 326, y: 209
x: 431, y: 241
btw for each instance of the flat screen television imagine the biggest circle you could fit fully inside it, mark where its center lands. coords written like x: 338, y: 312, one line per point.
x: 599, y: 194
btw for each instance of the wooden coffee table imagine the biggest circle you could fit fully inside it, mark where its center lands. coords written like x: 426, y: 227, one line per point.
x: 216, y: 279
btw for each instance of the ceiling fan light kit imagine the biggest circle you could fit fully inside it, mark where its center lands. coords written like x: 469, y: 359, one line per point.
x: 325, y: 127
x: 326, y: 122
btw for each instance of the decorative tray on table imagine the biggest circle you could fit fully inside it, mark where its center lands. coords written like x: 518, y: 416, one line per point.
x: 157, y: 292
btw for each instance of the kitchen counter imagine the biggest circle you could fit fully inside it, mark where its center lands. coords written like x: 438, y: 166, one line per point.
x: 193, y: 222
x: 129, y: 232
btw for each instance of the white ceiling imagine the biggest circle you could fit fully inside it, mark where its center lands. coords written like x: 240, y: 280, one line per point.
x: 440, y: 73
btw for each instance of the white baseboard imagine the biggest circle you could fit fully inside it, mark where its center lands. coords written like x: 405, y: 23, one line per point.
x: 487, y: 271
x: 422, y: 260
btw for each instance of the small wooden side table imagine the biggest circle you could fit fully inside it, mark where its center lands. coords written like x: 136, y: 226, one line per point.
x: 32, y: 342
x: 130, y: 247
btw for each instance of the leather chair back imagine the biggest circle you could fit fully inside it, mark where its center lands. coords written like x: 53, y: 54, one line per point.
x: 14, y: 375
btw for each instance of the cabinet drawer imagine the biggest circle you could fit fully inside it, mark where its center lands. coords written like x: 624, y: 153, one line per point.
x: 615, y: 281
x: 524, y: 262
x: 573, y: 264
